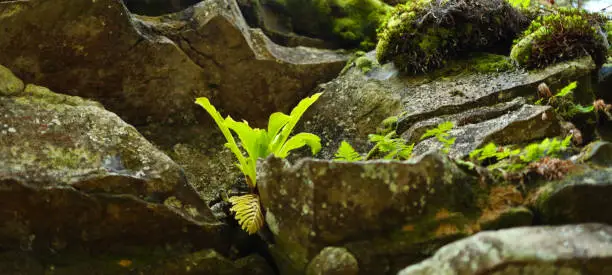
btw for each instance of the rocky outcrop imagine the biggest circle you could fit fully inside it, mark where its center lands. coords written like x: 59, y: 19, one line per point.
x: 489, y: 106
x: 333, y: 261
x: 135, y: 260
x: 575, y: 199
x: 546, y: 250
x: 151, y: 69
x: 157, y: 7
x: 75, y: 175
x: 384, y: 213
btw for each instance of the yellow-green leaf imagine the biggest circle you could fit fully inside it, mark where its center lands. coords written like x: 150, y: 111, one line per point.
x: 299, y: 140
x: 231, y: 143
x: 247, y: 212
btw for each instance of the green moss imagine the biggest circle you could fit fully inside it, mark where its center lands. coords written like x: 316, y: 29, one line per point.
x: 364, y: 64
x: 69, y: 158
x: 9, y: 83
x: 562, y: 35
x: 423, y: 35
x: 352, y: 22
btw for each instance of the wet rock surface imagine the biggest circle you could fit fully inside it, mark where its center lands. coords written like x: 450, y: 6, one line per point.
x: 570, y: 249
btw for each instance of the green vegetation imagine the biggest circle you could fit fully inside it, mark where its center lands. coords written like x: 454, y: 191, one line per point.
x: 563, y: 102
x: 390, y: 146
x: 420, y: 36
x: 260, y: 143
x: 520, y: 3
x: 354, y: 22
x: 565, y: 34
x: 346, y: 152
x: 442, y: 135
x: 387, y: 145
x: 510, y: 159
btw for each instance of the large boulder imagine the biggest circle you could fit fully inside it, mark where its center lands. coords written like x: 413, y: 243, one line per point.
x: 75, y: 175
x: 151, y: 69
x: 576, y: 199
x: 545, y: 250
x: 386, y: 214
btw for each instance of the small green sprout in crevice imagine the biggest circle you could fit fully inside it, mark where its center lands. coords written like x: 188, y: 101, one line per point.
x: 387, y: 145
x: 346, y: 152
x: 563, y: 101
x: 510, y: 159
x: 260, y: 143
x: 442, y: 135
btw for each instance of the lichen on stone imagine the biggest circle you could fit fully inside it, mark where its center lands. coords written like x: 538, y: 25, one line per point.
x: 565, y: 34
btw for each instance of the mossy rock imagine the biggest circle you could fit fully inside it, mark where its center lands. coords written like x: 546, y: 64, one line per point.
x: 422, y: 35
x: 563, y: 35
x: 351, y: 22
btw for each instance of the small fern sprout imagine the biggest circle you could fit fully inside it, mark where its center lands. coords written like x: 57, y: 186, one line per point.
x: 347, y: 153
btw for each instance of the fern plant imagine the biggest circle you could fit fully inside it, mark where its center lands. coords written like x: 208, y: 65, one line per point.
x: 346, y: 152
x: 442, y: 135
x: 509, y: 159
x: 387, y: 145
x: 260, y: 143
x: 563, y: 102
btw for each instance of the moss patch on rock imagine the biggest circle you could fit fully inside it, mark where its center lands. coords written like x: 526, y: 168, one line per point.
x: 353, y: 22
x: 563, y: 35
x: 422, y: 35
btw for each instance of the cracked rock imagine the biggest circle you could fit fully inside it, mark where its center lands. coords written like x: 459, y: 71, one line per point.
x: 151, y: 69
x: 75, y: 175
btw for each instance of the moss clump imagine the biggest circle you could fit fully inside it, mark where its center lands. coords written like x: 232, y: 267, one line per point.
x: 421, y: 35
x: 490, y: 63
x: 352, y: 22
x: 565, y: 34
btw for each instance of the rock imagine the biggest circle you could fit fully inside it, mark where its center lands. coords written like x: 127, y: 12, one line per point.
x: 348, y: 24
x: 544, y: 250
x: 73, y: 174
x: 516, y: 126
x: 387, y: 214
x: 136, y: 261
x: 419, y: 102
x: 272, y: 18
x: 598, y: 152
x: 333, y: 261
x: 157, y: 7
x: 576, y: 199
x: 151, y: 69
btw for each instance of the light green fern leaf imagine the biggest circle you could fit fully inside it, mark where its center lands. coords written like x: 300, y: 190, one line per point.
x: 248, y: 212
x: 346, y: 152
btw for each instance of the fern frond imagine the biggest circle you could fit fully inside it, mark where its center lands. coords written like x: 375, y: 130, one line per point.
x: 248, y: 212
x: 346, y: 152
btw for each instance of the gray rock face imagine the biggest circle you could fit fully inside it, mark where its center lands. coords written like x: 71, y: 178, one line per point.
x: 72, y: 173
x: 152, y: 69
x: 515, y: 126
x: 577, y: 199
x: 570, y: 249
x: 484, y: 106
x: 333, y: 261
